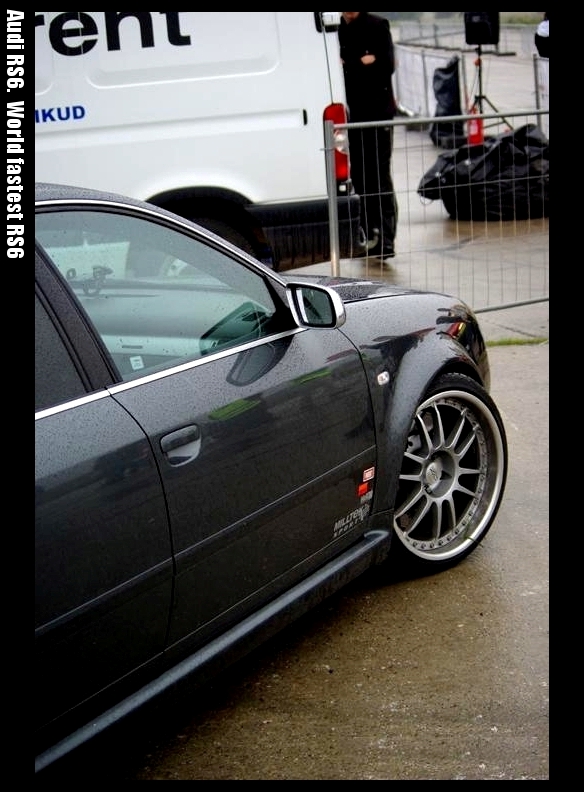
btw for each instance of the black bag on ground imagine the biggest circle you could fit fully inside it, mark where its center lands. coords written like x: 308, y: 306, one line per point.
x: 504, y: 178
x: 446, y: 86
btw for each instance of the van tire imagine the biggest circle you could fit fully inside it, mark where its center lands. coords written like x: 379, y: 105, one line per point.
x: 227, y: 232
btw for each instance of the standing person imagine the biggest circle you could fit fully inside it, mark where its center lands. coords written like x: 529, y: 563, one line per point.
x: 367, y: 54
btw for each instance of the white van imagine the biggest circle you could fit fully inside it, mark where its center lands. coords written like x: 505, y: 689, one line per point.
x: 216, y: 115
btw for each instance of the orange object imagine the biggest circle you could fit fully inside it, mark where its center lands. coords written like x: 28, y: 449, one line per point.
x: 475, y: 129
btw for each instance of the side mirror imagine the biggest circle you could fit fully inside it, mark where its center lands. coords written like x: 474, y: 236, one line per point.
x: 315, y: 306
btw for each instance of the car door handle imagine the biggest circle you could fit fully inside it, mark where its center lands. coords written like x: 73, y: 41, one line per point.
x: 182, y: 446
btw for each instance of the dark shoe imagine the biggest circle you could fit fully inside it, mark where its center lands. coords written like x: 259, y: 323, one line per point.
x: 387, y: 252
x: 387, y: 260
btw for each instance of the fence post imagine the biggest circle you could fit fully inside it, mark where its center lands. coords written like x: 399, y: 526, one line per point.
x: 426, y: 109
x: 331, y: 186
x: 537, y: 93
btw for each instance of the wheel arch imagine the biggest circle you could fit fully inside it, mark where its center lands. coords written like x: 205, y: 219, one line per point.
x: 409, y: 387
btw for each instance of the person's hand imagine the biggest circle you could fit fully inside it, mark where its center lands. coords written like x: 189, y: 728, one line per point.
x: 367, y: 59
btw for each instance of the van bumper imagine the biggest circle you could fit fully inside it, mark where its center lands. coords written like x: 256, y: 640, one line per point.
x: 299, y: 233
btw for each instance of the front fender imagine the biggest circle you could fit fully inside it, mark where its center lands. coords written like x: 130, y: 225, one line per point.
x: 405, y: 342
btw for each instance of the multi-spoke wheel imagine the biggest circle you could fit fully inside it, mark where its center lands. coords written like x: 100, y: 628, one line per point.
x: 453, y: 473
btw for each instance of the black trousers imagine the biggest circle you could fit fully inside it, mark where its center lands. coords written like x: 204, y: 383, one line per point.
x: 370, y: 151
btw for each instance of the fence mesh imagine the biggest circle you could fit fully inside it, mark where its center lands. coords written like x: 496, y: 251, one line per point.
x: 490, y: 260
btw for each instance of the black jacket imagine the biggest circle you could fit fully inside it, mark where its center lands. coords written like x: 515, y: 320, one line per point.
x: 542, y: 36
x: 369, y: 88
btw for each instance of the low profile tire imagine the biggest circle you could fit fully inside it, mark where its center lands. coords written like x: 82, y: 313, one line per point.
x: 453, y: 474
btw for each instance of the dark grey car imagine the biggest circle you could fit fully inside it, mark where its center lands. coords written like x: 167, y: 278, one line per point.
x: 219, y: 447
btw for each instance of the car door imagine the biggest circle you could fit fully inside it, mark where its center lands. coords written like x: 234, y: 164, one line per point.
x: 103, y: 561
x: 261, y: 430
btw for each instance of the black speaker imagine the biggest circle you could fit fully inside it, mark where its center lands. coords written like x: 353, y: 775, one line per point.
x: 481, y: 27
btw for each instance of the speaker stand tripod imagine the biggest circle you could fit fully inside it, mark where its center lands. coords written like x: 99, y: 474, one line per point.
x: 480, y: 99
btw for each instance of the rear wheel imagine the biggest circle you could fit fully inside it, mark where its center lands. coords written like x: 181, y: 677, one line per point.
x: 453, y: 474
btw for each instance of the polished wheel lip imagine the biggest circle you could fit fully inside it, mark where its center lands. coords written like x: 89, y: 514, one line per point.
x: 441, y: 480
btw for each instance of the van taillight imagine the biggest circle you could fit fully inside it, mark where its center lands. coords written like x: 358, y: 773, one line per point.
x: 337, y: 113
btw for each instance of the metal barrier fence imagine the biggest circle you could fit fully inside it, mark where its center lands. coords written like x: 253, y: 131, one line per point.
x: 526, y: 84
x: 514, y: 40
x: 489, y: 263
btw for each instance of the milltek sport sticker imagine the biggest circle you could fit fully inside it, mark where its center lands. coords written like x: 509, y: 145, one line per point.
x: 350, y: 520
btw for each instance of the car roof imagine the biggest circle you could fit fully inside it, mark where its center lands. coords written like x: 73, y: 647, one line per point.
x: 46, y: 191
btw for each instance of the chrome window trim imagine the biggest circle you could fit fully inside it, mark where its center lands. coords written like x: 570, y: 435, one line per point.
x: 134, y: 383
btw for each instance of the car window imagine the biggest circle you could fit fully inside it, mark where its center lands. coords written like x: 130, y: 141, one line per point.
x: 56, y: 379
x: 156, y: 296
